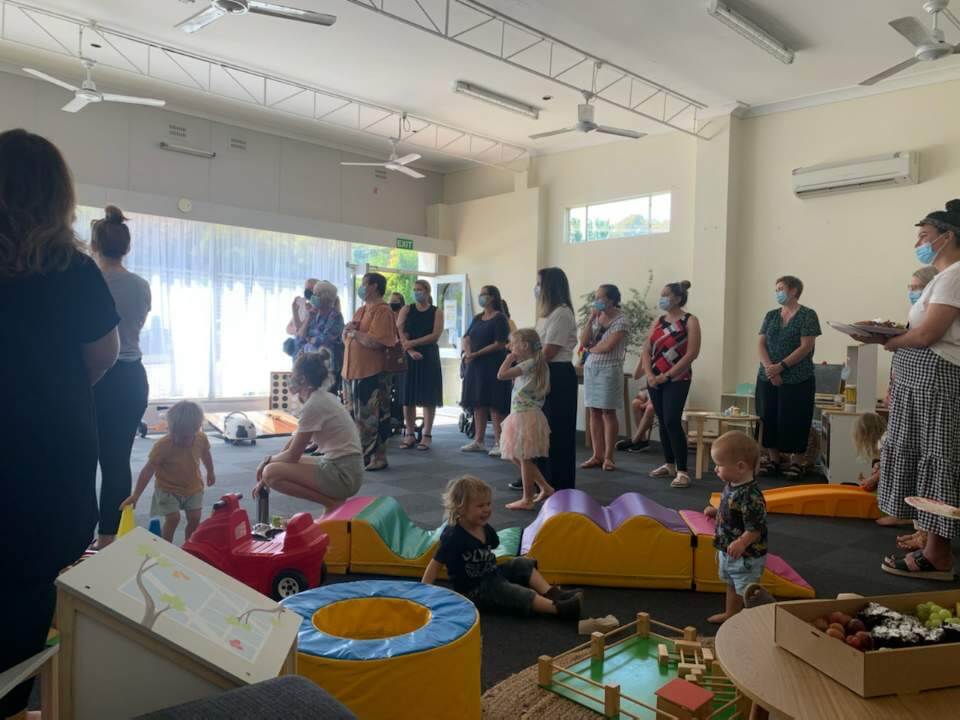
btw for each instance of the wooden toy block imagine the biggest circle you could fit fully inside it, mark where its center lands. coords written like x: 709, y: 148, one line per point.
x: 684, y: 700
x: 688, y: 645
x: 544, y: 670
x: 663, y: 657
x: 597, y: 646
x: 611, y: 701
x: 643, y: 624
x: 690, y: 633
x: 708, y: 657
x: 692, y: 668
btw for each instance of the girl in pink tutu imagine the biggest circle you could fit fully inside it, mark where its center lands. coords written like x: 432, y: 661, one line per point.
x: 526, y: 434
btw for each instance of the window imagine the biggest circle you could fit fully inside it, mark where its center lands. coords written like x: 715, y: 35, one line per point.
x: 395, y: 259
x: 618, y: 219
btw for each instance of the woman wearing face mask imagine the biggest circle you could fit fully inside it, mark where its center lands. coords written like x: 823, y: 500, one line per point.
x: 605, y: 336
x: 323, y: 328
x: 918, y: 281
x: 921, y: 455
x: 420, y: 326
x: 366, y: 391
x: 484, y: 348
x: 786, y: 387
x: 667, y: 356
x: 300, y: 307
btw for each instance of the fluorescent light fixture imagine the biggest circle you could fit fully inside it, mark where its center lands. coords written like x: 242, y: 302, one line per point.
x: 751, y: 31
x: 501, y: 101
x: 187, y: 150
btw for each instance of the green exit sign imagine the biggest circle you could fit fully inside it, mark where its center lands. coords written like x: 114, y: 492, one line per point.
x: 405, y: 244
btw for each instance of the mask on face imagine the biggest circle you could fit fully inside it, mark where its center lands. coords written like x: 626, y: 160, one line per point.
x: 419, y: 296
x: 600, y: 305
x: 914, y: 296
x: 308, y: 293
x: 926, y: 254
x: 782, y: 297
x: 396, y: 306
x: 362, y: 292
x: 482, y: 301
x: 664, y: 303
x: 315, y: 301
x: 536, y: 292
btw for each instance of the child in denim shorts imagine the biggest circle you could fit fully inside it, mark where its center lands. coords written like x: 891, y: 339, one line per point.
x: 466, y: 550
x: 741, y: 533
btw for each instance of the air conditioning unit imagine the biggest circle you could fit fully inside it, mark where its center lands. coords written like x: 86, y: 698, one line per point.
x: 901, y: 168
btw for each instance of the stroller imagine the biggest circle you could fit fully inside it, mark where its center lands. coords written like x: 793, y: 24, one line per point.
x: 397, y: 421
x: 467, y: 424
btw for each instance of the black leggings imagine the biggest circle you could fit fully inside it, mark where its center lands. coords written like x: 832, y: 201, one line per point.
x: 668, y: 401
x: 787, y: 413
x: 27, y: 610
x: 121, y: 398
x: 560, y: 467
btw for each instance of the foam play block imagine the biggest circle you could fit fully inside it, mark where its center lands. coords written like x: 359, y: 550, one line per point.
x: 778, y: 577
x: 384, y: 541
x: 823, y: 500
x: 337, y: 527
x: 633, y: 542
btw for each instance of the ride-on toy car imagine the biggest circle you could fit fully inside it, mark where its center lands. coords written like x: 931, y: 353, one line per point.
x: 279, y: 563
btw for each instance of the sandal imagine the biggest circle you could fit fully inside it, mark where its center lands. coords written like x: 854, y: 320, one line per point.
x: 682, y: 480
x: 925, y: 569
x: 409, y: 441
x: 376, y: 465
x: 769, y: 469
x: 608, y: 466
x: 663, y: 471
x: 424, y: 445
x: 592, y: 463
x: 793, y: 471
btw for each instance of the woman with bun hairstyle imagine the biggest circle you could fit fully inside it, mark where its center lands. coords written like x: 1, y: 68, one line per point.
x: 667, y: 356
x: 121, y: 395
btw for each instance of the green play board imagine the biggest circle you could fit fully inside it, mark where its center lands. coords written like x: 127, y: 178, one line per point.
x: 633, y: 666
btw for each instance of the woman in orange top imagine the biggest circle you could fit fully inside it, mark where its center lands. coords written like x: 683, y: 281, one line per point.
x: 366, y: 386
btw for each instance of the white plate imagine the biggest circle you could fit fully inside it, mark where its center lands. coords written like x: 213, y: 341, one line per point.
x: 854, y: 330
x: 935, y: 507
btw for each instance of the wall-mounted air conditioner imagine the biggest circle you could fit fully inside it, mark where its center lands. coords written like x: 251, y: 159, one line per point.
x: 902, y: 168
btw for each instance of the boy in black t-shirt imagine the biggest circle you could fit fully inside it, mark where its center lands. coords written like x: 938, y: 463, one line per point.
x: 466, y: 549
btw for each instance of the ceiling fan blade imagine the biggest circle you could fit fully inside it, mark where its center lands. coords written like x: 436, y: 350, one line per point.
x: 405, y: 170
x: 913, y: 30
x: 289, y: 13
x: 622, y: 132
x: 129, y: 99
x: 890, y: 71
x: 200, y: 20
x: 50, y: 79
x: 551, y: 133
x: 364, y: 164
x: 407, y: 159
x: 76, y: 105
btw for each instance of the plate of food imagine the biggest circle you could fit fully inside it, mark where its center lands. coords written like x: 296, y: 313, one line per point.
x: 934, y: 507
x: 865, y: 328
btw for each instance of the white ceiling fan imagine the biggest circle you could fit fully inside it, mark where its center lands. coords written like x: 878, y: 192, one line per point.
x: 87, y: 92
x: 395, y: 163
x: 929, y: 42
x: 586, y: 124
x: 219, y: 8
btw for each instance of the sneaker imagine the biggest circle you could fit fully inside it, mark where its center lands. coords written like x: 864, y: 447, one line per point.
x: 516, y: 485
x: 494, y: 451
x: 639, y: 447
x: 569, y: 608
x: 473, y: 447
x: 682, y: 480
x: 559, y: 594
x: 624, y: 445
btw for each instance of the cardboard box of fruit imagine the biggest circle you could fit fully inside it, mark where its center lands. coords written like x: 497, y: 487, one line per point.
x: 883, y: 645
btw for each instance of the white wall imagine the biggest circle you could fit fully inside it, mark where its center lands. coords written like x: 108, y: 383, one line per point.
x: 476, y: 183
x: 115, y: 148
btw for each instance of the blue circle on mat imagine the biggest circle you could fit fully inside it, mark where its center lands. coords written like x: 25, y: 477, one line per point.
x: 451, y: 617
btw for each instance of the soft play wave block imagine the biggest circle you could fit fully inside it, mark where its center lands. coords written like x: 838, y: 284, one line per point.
x: 778, y: 578
x: 633, y: 542
x: 337, y: 527
x: 842, y: 501
x: 384, y: 541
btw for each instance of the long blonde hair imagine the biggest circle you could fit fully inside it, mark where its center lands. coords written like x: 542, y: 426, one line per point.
x: 459, y: 493
x: 541, y: 370
x: 867, y: 432
x: 184, y: 420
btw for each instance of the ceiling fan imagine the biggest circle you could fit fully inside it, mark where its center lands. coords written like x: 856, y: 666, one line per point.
x: 219, y: 8
x: 586, y: 124
x: 929, y: 42
x: 395, y: 163
x: 87, y: 92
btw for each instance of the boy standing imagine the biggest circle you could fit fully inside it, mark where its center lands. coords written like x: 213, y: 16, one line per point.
x: 741, y: 532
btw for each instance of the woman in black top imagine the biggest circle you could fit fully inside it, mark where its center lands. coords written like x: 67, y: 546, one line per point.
x: 420, y: 326
x: 58, y: 331
x: 484, y: 348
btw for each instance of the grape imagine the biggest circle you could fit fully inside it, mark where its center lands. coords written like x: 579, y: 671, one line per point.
x: 934, y: 622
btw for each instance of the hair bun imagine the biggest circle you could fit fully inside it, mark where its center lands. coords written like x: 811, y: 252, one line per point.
x: 953, y: 206
x: 685, y: 284
x: 113, y: 214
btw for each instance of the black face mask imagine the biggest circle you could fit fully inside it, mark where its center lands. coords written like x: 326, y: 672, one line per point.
x: 308, y: 293
x: 395, y: 306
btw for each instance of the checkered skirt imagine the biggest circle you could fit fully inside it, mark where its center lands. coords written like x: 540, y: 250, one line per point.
x: 921, y: 455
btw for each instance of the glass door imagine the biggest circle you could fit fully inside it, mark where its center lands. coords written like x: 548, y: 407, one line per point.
x: 453, y: 298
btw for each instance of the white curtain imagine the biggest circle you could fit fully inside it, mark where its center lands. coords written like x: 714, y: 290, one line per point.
x: 221, y: 300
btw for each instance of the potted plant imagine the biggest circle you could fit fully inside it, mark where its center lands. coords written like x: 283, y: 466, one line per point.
x: 635, y: 308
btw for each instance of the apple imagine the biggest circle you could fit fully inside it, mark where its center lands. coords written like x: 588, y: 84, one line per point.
x: 834, y: 631
x: 821, y: 624
x: 866, y: 640
x: 854, y: 642
x: 840, y: 618
x: 855, y: 626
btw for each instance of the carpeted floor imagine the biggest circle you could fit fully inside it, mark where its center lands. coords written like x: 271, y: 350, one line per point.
x: 833, y: 555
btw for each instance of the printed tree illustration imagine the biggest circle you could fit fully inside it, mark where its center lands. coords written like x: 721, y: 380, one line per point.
x: 241, y: 620
x: 173, y: 602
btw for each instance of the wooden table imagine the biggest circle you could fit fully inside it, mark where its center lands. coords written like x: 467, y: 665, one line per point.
x: 697, y: 420
x: 787, y: 687
x: 627, y: 410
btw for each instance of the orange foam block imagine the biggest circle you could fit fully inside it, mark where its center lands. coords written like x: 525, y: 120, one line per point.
x: 822, y: 500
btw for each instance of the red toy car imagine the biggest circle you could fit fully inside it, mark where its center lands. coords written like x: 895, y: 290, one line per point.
x: 280, y: 565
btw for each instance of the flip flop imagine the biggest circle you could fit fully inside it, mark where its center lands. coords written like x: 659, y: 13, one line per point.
x: 898, y: 566
x: 608, y: 466
x: 591, y: 463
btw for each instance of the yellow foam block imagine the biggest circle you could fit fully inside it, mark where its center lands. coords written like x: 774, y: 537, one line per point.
x: 845, y: 501
x: 338, y: 551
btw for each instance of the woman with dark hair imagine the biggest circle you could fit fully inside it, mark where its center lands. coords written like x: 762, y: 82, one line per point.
x: 786, y: 387
x: 921, y: 455
x: 484, y: 348
x: 420, y: 325
x: 366, y: 391
x: 121, y: 395
x: 667, y: 355
x: 605, y: 336
x: 58, y: 330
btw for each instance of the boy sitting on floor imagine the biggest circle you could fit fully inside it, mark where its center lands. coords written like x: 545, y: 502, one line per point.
x: 466, y: 549
x: 741, y: 533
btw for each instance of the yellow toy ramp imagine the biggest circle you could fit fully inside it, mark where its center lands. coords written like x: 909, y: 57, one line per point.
x: 822, y: 500
x: 633, y: 542
x: 337, y: 526
x: 778, y: 578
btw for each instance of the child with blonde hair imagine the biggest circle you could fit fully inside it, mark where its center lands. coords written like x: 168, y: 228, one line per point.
x: 525, y: 434
x: 869, y: 432
x: 466, y: 550
x: 175, y: 460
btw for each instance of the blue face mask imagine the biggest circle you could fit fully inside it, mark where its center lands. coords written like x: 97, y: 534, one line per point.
x: 664, y: 303
x: 536, y: 292
x: 362, y: 292
x: 926, y: 254
x: 482, y: 300
x: 782, y: 297
x: 600, y: 305
x: 914, y: 296
x: 419, y: 296
x: 315, y: 301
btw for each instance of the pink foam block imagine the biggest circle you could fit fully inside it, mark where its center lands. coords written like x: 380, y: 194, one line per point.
x: 349, y: 510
